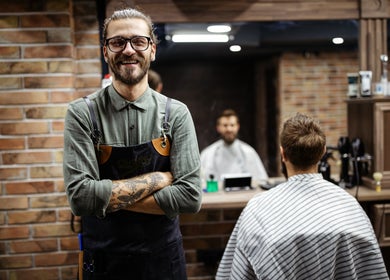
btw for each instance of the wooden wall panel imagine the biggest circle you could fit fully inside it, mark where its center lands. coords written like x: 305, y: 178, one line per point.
x: 242, y: 10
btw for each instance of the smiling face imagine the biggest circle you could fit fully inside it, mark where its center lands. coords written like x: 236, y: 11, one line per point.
x: 129, y: 67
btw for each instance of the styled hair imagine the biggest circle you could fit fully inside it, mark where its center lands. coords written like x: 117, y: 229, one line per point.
x: 130, y: 13
x: 228, y: 113
x: 303, y: 141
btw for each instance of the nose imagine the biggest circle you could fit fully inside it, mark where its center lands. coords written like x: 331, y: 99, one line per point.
x: 128, y: 48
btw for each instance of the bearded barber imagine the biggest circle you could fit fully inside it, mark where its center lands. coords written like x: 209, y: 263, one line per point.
x: 131, y: 163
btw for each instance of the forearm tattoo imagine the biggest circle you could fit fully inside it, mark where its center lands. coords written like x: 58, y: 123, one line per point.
x: 128, y: 192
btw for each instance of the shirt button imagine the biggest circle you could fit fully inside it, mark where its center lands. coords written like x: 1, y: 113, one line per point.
x: 132, y: 126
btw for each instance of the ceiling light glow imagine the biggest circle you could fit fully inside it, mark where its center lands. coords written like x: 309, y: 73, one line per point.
x: 337, y: 40
x: 219, y: 28
x: 235, y: 48
x: 200, y: 38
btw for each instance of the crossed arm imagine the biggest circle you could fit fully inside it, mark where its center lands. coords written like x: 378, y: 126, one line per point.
x: 136, y: 194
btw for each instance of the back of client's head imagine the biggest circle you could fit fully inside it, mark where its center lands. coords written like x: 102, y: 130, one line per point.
x: 303, y: 141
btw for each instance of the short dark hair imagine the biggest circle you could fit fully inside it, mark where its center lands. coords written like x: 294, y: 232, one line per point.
x: 303, y: 141
x: 130, y: 13
x: 228, y: 113
x: 154, y: 79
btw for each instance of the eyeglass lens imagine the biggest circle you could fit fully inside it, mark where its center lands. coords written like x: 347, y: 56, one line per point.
x: 138, y: 43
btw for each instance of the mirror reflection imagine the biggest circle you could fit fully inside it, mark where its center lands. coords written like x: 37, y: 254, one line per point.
x: 258, y: 38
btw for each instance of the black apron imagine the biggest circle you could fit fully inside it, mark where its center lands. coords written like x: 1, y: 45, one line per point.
x: 130, y: 245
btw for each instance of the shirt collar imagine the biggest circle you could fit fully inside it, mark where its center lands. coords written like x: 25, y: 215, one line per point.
x: 306, y: 177
x: 121, y: 103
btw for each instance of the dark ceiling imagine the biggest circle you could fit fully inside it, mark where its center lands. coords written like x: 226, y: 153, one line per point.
x: 262, y: 39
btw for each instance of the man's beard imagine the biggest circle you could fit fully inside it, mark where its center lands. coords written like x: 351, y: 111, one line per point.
x: 229, y: 139
x: 126, y: 76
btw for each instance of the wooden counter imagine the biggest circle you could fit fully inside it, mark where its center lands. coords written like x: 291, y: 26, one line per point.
x: 238, y: 199
x: 228, y: 200
x: 365, y: 194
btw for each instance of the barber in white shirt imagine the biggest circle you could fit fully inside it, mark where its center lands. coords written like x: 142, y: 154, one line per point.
x: 229, y: 154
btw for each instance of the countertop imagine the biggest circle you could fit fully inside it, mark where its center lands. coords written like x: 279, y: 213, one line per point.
x: 238, y: 199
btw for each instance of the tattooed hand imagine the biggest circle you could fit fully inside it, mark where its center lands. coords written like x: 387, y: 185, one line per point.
x: 127, y: 192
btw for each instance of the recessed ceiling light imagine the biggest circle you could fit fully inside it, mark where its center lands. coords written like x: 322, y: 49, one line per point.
x: 200, y: 38
x: 219, y: 28
x: 338, y: 40
x: 235, y: 48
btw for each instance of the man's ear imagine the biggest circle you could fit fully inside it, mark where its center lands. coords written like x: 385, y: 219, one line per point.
x: 282, y: 154
x: 105, y: 54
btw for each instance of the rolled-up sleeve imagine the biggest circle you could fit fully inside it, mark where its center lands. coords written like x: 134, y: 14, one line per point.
x: 185, y: 194
x: 87, y: 194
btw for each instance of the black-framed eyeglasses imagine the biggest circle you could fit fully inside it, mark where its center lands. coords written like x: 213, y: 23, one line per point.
x: 138, y: 43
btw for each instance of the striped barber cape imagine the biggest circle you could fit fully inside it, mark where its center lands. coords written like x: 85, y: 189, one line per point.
x: 306, y: 228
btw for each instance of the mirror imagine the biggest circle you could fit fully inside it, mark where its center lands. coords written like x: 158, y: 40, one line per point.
x: 209, y: 78
x: 258, y: 39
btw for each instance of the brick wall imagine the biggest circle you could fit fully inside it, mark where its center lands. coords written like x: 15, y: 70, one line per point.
x: 316, y: 84
x: 49, y: 55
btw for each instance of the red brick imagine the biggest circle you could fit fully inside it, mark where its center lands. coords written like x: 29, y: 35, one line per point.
x: 12, y: 143
x: 3, y: 249
x: 56, y: 52
x: 21, y: 67
x: 16, y: 232
x: 25, y: 97
x: 46, y: 171
x: 83, y: 8
x: 53, y: 112
x: 86, y: 23
x: 17, y: 128
x: 59, y: 156
x: 65, y: 36
x: 59, y: 6
x: 60, y: 187
x: 62, y: 96
x: 34, y: 246
x: 86, y: 38
x: 88, y: 52
x: 51, y: 141
x: 13, y: 173
x: 88, y: 67
x: 27, y: 217
x: 9, y: 52
x: 11, y: 82
x: 61, y: 67
x: 22, y: 36
x: 58, y: 126
x: 46, y: 20
x: 2, y: 221
x: 7, y: 262
x: 12, y: 203
x: 64, y: 215
x: 69, y: 272
x: 88, y: 82
x: 49, y: 201
x: 49, y: 82
x: 52, y: 230
x: 54, y: 259
x: 26, y: 157
x: 69, y: 243
x: 34, y: 274
x: 9, y: 21
x: 29, y: 187
x: 11, y: 113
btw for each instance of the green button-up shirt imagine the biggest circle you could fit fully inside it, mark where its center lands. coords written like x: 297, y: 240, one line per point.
x: 125, y: 123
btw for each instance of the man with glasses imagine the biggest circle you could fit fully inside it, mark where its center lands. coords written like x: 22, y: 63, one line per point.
x: 131, y: 163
